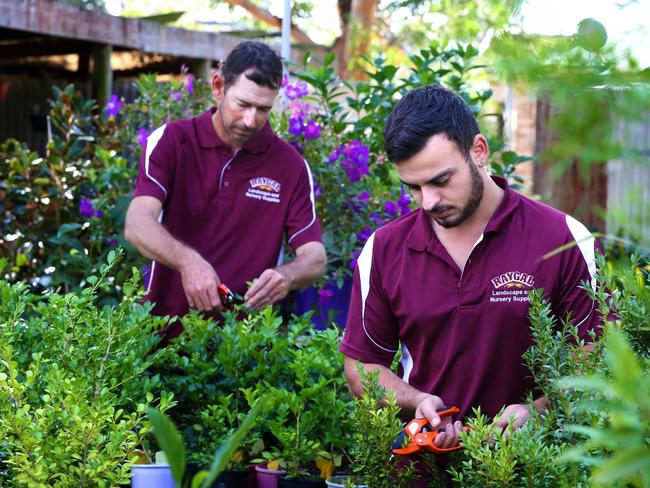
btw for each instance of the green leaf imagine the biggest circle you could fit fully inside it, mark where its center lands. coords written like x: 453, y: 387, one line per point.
x: 92, y: 279
x: 228, y: 448
x: 170, y: 441
x: 111, y: 256
x: 622, y: 361
x: 626, y: 465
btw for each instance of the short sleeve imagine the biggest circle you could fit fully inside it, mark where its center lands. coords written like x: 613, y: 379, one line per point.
x: 371, y: 332
x: 302, y: 224
x: 156, y: 165
x: 578, y: 272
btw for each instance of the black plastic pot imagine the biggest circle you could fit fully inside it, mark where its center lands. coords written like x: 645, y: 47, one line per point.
x: 227, y: 479
x: 284, y: 482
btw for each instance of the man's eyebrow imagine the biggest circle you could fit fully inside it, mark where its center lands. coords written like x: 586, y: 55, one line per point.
x: 246, y: 102
x: 433, y: 180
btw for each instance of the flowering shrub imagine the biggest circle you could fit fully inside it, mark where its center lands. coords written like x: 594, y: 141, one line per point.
x: 338, y: 127
x: 63, y: 212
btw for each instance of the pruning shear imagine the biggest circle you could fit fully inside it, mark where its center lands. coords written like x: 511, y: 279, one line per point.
x: 227, y: 297
x: 421, y: 436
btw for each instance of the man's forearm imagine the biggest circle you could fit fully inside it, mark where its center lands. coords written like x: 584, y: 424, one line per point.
x: 153, y: 241
x: 408, y: 397
x: 307, y: 267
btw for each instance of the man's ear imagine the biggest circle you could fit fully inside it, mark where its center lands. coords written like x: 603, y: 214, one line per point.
x: 217, y: 83
x: 480, y: 151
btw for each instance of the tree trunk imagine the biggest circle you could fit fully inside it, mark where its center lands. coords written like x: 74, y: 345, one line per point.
x: 358, y: 35
x: 268, y: 18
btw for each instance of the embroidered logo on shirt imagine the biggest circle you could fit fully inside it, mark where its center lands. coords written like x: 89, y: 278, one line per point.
x: 510, y: 287
x: 265, y: 189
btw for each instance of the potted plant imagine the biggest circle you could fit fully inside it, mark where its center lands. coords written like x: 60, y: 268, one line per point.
x: 218, y: 422
x: 310, y: 419
x: 172, y: 444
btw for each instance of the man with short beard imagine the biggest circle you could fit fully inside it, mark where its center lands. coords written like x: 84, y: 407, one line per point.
x: 216, y: 195
x: 449, y: 282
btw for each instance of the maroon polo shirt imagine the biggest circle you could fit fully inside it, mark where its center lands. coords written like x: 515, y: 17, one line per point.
x: 462, y: 335
x: 233, y: 207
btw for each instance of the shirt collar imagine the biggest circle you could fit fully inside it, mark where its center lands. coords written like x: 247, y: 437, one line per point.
x: 422, y: 237
x: 208, y: 137
x: 506, y: 208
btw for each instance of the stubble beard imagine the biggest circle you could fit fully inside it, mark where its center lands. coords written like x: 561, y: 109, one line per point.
x: 474, y: 200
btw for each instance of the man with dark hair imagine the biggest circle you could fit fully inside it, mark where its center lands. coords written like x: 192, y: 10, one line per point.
x: 449, y: 282
x: 217, y: 193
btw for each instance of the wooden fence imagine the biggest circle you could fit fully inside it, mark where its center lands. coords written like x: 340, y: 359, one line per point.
x: 628, y: 186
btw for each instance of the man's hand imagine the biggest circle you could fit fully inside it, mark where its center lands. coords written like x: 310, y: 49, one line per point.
x: 200, y: 282
x: 448, y: 431
x: 517, y: 413
x: 271, y: 286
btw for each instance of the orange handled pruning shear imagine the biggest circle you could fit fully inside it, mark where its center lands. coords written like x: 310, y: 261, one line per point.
x: 227, y: 297
x: 420, y: 436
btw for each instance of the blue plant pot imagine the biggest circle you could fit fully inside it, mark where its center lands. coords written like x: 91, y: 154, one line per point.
x: 337, y: 305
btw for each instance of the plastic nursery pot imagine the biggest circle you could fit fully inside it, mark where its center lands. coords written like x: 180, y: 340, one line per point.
x: 339, y: 482
x: 152, y: 476
x: 284, y: 482
x: 268, y: 478
x: 227, y: 479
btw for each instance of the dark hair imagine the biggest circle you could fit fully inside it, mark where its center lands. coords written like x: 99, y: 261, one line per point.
x: 423, y: 113
x: 266, y: 65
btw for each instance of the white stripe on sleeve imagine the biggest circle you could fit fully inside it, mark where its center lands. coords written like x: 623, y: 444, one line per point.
x: 152, y: 142
x: 587, y: 245
x: 313, y: 203
x: 364, y: 264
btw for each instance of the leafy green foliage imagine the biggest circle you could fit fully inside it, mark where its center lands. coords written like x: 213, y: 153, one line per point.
x: 376, y: 424
x: 172, y: 444
x: 222, y: 369
x: 618, y: 447
x: 73, y: 387
x: 64, y: 211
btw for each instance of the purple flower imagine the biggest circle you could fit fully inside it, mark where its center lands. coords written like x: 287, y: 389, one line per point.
x: 353, y: 261
x: 296, y: 145
x: 176, y: 96
x: 312, y: 130
x: 404, y: 203
x: 87, y: 210
x: 111, y: 242
x: 285, y: 80
x: 189, y: 83
x: 377, y: 219
x: 353, y: 158
x: 113, y: 106
x: 296, y: 126
x: 295, y: 91
x: 364, y: 234
x: 334, y: 155
x: 317, y: 190
x: 390, y: 208
x: 325, y: 295
x: 145, y: 274
x: 363, y: 197
x: 142, y: 137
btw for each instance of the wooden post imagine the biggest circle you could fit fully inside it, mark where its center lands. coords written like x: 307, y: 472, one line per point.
x: 102, y: 73
x: 201, y: 68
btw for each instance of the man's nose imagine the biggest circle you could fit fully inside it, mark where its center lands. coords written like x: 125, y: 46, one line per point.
x: 430, y: 198
x: 249, y: 117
